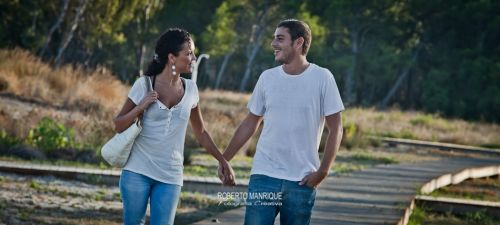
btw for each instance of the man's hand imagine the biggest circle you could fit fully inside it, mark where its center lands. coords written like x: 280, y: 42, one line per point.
x: 313, y: 179
x: 226, y: 173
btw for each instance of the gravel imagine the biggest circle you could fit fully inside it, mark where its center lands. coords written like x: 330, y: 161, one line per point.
x: 48, y: 200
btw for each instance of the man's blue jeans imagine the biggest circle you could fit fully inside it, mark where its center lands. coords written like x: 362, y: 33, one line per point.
x: 136, y: 189
x: 295, y: 205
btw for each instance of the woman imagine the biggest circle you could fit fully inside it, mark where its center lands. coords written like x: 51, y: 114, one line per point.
x: 154, y: 169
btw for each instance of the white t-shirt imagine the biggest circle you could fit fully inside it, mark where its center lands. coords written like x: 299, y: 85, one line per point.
x: 294, y: 109
x: 158, y: 151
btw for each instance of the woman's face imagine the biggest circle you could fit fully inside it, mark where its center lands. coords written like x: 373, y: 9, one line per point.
x: 186, y: 58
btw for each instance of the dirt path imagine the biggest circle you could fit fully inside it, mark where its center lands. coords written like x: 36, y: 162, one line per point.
x: 47, y: 200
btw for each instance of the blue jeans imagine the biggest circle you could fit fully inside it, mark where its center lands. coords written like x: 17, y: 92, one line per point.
x: 136, y: 189
x: 294, y: 205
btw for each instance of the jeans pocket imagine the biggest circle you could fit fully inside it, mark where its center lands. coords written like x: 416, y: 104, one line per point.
x: 309, y: 187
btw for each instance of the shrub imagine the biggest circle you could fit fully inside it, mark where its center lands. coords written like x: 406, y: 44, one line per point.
x: 7, y: 141
x: 353, y: 137
x: 422, y: 120
x: 49, y: 135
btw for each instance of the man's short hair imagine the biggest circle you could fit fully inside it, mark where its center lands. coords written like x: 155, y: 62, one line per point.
x: 298, y: 29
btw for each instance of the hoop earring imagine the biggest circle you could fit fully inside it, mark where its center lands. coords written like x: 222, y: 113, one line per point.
x: 173, y: 70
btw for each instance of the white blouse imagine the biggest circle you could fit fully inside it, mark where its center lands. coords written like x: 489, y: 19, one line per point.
x: 158, y: 151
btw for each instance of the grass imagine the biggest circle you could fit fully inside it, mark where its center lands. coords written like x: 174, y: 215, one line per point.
x: 343, y: 168
x: 347, y: 161
x: 422, y: 215
x: 484, y: 189
x: 367, y: 157
x: 38, y: 187
x: 422, y: 126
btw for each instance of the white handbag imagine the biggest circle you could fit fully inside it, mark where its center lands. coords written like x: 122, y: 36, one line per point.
x: 117, y: 150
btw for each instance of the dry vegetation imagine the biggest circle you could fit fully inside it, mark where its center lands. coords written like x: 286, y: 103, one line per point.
x: 22, y: 74
x: 483, y: 189
x: 87, y: 101
x: 223, y: 111
x: 32, y: 90
x: 418, y: 125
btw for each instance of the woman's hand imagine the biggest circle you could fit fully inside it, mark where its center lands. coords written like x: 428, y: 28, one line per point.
x: 147, y: 100
x: 226, y: 173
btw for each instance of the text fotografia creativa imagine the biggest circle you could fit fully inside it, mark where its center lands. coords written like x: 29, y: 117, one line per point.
x: 250, y: 198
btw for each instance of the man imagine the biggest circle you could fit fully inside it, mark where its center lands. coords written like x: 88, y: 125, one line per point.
x: 294, y: 100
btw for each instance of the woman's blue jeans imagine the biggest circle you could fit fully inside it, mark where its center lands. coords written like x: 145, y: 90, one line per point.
x: 137, y: 189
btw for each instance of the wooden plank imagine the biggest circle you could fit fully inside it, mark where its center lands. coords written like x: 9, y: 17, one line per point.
x: 439, y: 145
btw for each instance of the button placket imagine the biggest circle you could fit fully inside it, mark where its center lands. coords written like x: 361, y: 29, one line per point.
x: 169, y: 119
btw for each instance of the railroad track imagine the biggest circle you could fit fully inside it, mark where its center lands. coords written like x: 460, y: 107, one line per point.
x: 206, y: 185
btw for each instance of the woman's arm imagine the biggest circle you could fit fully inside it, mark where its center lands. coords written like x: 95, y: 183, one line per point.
x: 130, y: 111
x: 206, y: 141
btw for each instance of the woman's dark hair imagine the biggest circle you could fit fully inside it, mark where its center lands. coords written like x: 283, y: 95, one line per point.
x: 170, y: 41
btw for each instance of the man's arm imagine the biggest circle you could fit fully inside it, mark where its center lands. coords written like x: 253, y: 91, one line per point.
x: 334, y: 125
x: 246, y: 129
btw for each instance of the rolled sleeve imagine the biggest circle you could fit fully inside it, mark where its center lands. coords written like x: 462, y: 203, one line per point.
x: 138, y: 90
x: 196, y: 96
x: 332, y: 102
x: 256, y: 105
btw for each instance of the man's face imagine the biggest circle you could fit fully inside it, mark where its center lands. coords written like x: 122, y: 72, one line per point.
x: 282, y: 44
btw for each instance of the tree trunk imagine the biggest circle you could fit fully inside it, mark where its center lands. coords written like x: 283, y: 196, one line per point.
x: 255, y: 43
x: 349, y: 81
x: 399, y: 81
x: 138, y: 48
x: 220, y: 74
x: 142, y: 29
x: 54, y: 27
x: 79, y: 12
x: 255, y: 47
x: 141, y: 50
x: 248, y: 69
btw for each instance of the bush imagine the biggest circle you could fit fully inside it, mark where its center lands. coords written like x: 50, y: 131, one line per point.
x: 480, y: 218
x: 50, y: 135
x: 7, y: 141
x: 353, y: 137
x: 422, y: 120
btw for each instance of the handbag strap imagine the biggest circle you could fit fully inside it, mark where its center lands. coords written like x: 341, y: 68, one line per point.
x: 154, y: 79
x: 149, y: 86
